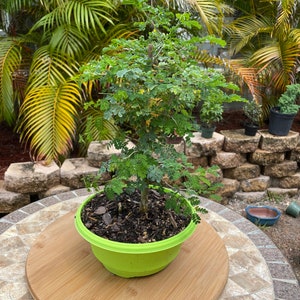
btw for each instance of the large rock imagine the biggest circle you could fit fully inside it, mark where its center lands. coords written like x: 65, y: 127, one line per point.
x: 242, y: 172
x: 214, y: 177
x: 227, y: 160
x: 237, y: 141
x: 258, y: 184
x: 30, y: 177
x: 229, y: 188
x: 10, y: 201
x: 99, y: 152
x: 295, y: 154
x: 287, y: 182
x: 198, y: 162
x: 58, y: 189
x: 276, y: 143
x: 286, y: 168
x: 199, y: 146
x: 250, y: 197
x: 264, y: 157
x: 277, y: 193
x: 75, y: 170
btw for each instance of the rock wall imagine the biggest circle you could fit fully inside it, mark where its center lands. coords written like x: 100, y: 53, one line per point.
x: 251, y: 168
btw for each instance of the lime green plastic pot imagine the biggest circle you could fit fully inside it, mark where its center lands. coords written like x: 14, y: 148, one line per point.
x: 132, y: 260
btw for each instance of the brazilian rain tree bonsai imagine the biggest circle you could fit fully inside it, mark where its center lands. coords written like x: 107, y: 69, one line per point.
x: 150, y: 85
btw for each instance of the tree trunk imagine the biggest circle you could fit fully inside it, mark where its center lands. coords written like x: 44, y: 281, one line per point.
x: 144, y: 199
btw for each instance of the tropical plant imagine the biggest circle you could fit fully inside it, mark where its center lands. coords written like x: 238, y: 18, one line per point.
x: 152, y: 85
x: 265, y: 37
x: 61, y: 36
x: 58, y: 36
x: 209, y: 13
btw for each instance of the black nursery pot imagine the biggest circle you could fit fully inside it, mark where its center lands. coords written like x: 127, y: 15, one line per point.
x: 251, y: 129
x: 207, y: 132
x: 279, y: 123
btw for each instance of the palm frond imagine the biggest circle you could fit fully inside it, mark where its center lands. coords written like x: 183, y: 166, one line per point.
x: 48, y: 119
x: 244, y: 74
x: 10, y: 58
x: 94, y: 127
x: 244, y: 30
x: 16, y: 5
x: 50, y: 68
x: 280, y: 59
x: 85, y: 15
x: 69, y: 41
x: 285, y: 15
x: 295, y: 35
x: 210, y: 12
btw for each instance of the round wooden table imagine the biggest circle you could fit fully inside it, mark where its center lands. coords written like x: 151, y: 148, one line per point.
x: 61, y: 266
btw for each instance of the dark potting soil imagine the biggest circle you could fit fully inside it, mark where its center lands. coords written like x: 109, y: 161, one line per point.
x: 121, y: 220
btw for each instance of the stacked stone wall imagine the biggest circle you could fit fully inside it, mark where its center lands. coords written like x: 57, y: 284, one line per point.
x: 251, y: 168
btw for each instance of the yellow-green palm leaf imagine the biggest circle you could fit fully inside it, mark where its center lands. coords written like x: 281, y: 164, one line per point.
x: 85, y: 14
x: 279, y: 59
x: 10, y: 58
x: 50, y: 68
x: 211, y: 13
x: 49, y: 119
x: 69, y: 41
x: 243, y: 32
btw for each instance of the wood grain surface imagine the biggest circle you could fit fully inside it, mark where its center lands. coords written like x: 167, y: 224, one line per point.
x: 61, y: 266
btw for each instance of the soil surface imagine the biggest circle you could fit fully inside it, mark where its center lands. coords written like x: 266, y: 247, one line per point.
x: 117, y: 220
x: 285, y: 234
x: 11, y: 151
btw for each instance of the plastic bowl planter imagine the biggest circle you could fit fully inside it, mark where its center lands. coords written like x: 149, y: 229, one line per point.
x: 133, y: 260
x: 263, y: 215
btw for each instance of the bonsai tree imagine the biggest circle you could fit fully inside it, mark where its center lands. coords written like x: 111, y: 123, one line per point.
x: 282, y: 116
x: 214, y: 97
x: 151, y: 85
x: 253, y: 112
x: 287, y: 101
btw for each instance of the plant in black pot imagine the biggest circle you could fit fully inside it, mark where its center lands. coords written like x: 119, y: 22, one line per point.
x: 214, y: 96
x: 150, y: 87
x: 253, y: 112
x: 282, y: 116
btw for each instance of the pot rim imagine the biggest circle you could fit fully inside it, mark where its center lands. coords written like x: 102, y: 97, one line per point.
x: 276, y: 110
x: 249, y: 207
x: 130, y: 247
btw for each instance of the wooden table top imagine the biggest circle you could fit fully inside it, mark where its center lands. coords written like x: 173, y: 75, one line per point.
x: 61, y: 266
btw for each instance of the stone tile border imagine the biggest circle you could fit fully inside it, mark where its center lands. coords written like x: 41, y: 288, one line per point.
x: 285, y: 283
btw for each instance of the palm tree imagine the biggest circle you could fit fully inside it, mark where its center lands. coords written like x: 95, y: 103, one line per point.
x: 62, y: 35
x: 37, y: 67
x: 211, y: 12
x: 266, y: 38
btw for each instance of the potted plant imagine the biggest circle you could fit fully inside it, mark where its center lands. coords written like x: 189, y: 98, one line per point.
x: 282, y: 116
x: 213, y: 97
x: 150, y: 86
x: 253, y: 112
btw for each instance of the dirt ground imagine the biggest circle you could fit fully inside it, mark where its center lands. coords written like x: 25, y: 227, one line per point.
x: 285, y: 234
